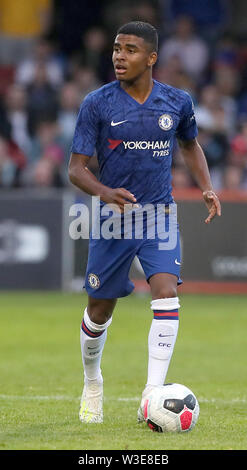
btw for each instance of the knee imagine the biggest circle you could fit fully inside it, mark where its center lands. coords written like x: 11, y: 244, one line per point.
x: 165, y: 292
x: 163, y: 286
x: 99, y: 317
x: 100, y: 311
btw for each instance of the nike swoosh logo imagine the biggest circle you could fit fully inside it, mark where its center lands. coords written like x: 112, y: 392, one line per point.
x: 176, y: 261
x: 117, y: 123
x: 163, y: 336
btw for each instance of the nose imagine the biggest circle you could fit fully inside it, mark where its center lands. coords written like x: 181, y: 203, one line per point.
x: 120, y: 54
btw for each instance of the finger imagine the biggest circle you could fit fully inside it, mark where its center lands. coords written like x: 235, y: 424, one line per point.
x: 214, y: 198
x: 127, y: 195
x: 218, y: 206
x: 121, y: 201
x: 123, y: 205
x: 216, y: 201
x: 212, y: 214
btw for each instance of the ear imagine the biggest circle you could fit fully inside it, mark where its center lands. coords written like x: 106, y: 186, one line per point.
x: 152, y: 59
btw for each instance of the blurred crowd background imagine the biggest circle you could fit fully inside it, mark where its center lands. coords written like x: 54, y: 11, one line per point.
x: 53, y: 52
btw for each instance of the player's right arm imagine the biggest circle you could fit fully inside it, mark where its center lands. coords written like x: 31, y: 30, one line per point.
x: 84, y: 142
x: 84, y: 179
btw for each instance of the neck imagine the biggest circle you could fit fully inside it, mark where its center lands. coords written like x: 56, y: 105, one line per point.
x: 139, y: 88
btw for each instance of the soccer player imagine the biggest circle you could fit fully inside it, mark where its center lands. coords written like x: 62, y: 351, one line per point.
x: 133, y: 123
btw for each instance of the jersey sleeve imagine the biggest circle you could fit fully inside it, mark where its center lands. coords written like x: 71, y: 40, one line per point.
x: 187, y: 128
x: 86, y: 129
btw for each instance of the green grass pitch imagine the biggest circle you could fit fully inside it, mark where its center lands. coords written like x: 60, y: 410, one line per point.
x: 41, y: 373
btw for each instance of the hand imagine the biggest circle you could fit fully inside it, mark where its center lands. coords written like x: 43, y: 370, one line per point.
x: 213, y: 204
x: 118, y: 196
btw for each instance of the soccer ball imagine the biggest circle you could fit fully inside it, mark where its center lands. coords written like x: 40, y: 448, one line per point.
x: 171, y: 408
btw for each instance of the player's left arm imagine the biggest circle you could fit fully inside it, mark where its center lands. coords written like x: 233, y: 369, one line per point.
x: 196, y: 162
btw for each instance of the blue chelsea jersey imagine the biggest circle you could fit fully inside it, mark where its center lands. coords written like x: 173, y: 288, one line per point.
x: 134, y: 142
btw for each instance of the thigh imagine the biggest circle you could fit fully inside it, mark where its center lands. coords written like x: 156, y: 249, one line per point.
x: 109, y: 262
x: 156, y: 260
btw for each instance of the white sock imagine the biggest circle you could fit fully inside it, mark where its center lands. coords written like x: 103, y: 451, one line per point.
x: 162, y: 338
x: 92, y: 339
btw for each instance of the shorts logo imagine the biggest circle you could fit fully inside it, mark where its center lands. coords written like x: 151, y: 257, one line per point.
x: 93, y: 281
x: 165, y: 122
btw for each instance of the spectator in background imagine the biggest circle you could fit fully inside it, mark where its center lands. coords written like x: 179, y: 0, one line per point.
x: 68, y: 105
x: 84, y: 77
x: 226, y: 76
x: 113, y: 17
x: 146, y: 11
x: 47, y: 155
x: 181, y: 178
x: 226, y: 51
x: 12, y: 163
x: 213, y: 123
x: 172, y: 73
x: 216, y: 109
x: 71, y: 18
x: 95, y: 53
x: 215, y: 146
x: 46, y: 172
x: 42, y: 98
x: 235, y: 172
x: 16, y: 110
x: 210, y: 16
x: 20, y: 23
x: 5, y: 126
x: 42, y: 55
x: 129, y: 10
x: 233, y: 178
x: 237, y: 160
x: 185, y: 44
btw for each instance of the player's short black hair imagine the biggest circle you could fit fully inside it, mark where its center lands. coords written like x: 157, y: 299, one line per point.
x: 143, y: 30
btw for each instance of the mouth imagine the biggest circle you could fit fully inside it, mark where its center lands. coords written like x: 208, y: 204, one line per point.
x: 120, y: 69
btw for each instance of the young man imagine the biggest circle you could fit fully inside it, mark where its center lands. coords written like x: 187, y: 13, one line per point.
x: 133, y: 122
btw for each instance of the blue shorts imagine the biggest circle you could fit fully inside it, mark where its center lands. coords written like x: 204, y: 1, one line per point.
x: 109, y: 262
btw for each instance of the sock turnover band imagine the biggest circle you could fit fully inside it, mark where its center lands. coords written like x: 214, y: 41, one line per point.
x: 93, y: 329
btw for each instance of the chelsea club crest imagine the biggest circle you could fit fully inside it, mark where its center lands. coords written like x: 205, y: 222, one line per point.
x: 93, y: 281
x: 165, y: 122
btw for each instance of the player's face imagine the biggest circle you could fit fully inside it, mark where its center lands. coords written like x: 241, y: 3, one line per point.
x: 131, y: 57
